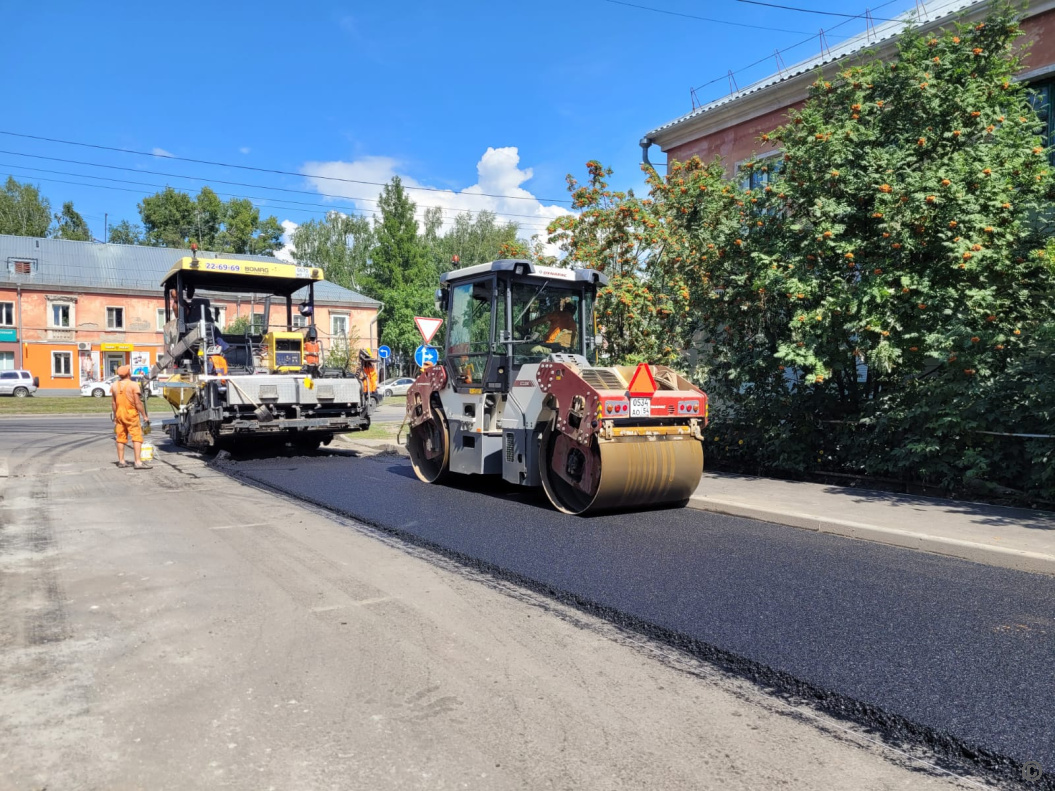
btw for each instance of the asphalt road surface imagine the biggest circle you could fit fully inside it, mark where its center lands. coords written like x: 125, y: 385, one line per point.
x: 952, y: 654
x: 174, y: 629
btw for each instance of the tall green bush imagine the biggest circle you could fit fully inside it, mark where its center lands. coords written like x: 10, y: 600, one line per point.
x: 881, y: 302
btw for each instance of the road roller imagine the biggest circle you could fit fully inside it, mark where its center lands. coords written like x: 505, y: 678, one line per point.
x: 516, y: 395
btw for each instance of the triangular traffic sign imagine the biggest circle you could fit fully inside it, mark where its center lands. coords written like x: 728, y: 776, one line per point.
x: 427, y: 327
x: 642, y: 383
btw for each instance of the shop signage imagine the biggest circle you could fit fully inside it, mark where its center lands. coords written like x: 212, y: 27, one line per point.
x: 9, y: 336
x: 116, y: 347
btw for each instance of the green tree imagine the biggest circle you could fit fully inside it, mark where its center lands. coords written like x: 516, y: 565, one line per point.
x: 174, y: 219
x: 398, y: 272
x: 474, y: 240
x: 169, y: 219
x: 125, y: 232
x: 642, y: 311
x: 244, y: 231
x: 71, y: 225
x: 238, y: 325
x: 340, y: 244
x: 883, y: 292
x: 23, y: 211
x: 899, y: 255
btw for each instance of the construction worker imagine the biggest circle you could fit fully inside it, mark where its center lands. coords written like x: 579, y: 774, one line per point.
x: 217, y: 365
x: 369, y: 371
x: 559, y: 321
x: 312, y: 350
x: 127, y: 412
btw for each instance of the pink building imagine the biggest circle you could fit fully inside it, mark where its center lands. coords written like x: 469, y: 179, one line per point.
x: 72, y: 312
x: 730, y: 127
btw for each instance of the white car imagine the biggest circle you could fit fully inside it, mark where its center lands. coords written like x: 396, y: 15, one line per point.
x: 102, y: 389
x: 395, y: 387
x: 18, y: 383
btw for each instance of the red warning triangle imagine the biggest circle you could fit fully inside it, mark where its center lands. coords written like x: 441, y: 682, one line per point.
x: 427, y: 327
x: 642, y: 383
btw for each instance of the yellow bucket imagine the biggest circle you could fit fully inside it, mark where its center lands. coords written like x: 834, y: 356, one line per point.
x: 146, y: 451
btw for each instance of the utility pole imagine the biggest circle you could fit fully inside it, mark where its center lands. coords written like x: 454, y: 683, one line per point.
x: 106, y: 227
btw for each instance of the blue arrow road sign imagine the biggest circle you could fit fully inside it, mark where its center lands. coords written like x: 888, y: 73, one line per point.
x: 383, y: 352
x: 426, y: 354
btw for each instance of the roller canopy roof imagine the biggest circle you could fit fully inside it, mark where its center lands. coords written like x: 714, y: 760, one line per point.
x: 236, y: 275
x: 528, y: 269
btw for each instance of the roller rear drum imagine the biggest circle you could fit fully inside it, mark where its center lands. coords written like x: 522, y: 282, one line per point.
x: 627, y: 472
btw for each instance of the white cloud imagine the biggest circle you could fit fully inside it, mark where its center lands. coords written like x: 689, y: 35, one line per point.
x: 243, y: 150
x: 160, y: 152
x: 285, y: 253
x: 497, y: 189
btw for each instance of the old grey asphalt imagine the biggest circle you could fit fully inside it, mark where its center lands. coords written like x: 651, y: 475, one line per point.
x: 176, y: 629
x: 959, y: 654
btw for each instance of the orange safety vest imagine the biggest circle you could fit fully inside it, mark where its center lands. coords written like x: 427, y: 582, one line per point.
x: 370, y: 372
x: 311, y: 353
x: 219, y: 364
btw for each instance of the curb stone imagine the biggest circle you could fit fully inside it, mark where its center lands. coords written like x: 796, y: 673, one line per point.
x: 973, y: 551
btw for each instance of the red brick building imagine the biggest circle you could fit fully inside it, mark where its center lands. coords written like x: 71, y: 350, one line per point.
x: 72, y: 312
x: 730, y: 127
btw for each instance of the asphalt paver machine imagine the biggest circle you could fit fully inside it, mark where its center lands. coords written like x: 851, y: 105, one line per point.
x: 518, y: 396
x: 232, y: 389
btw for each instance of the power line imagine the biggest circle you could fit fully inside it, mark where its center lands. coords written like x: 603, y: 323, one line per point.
x: 276, y: 203
x: 263, y: 170
x: 702, y: 18
x: 788, y: 48
x: 229, y: 183
x: 812, y: 11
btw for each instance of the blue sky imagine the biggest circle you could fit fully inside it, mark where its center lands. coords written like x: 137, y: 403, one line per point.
x: 502, y: 98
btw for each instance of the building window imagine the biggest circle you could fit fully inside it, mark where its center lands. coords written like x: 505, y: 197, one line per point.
x: 7, y: 361
x: 765, y: 170
x: 299, y: 321
x: 7, y: 314
x: 339, y: 324
x: 161, y: 319
x: 1041, y: 101
x: 21, y: 266
x: 61, y: 316
x: 259, y: 328
x: 115, y: 318
x: 221, y: 316
x: 62, y: 363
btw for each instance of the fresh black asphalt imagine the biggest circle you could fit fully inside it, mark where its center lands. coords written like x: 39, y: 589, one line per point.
x: 954, y: 654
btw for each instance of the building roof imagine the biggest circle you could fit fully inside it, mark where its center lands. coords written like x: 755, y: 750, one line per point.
x: 934, y: 13
x: 92, y: 266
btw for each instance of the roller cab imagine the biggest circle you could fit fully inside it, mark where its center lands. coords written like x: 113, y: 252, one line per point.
x: 517, y: 396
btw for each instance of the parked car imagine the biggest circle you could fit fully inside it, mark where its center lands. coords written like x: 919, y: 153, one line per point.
x: 102, y: 389
x: 395, y: 387
x: 18, y: 383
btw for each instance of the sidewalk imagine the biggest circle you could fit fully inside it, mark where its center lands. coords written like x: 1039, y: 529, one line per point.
x: 1015, y: 538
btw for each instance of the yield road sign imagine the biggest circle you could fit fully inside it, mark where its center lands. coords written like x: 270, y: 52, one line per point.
x: 383, y: 352
x: 426, y: 354
x: 427, y: 327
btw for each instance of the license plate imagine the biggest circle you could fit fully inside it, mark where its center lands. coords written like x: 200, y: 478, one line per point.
x: 640, y: 407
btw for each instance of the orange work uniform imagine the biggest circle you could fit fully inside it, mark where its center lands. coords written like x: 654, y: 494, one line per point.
x: 559, y: 321
x: 371, y: 377
x: 126, y: 415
